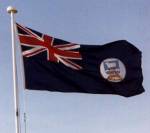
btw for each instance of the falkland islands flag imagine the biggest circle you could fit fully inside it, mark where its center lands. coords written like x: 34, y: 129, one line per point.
x: 56, y: 65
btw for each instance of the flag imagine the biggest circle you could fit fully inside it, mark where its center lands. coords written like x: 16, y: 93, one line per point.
x: 53, y: 64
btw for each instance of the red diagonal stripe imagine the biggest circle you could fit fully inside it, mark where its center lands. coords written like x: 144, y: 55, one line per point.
x: 72, y: 64
x: 28, y: 31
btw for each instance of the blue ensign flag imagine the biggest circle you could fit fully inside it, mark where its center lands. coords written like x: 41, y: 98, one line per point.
x: 56, y: 65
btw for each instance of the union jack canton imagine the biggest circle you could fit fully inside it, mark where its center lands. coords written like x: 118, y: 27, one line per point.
x: 64, y: 52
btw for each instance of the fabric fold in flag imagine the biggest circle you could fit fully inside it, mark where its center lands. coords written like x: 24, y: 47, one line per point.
x: 53, y: 64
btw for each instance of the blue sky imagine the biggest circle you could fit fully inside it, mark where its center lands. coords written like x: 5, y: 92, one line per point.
x: 85, y: 22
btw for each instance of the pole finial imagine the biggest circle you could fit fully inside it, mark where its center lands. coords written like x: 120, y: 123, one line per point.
x: 11, y: 9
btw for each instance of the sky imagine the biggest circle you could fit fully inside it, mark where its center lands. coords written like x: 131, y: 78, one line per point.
x: 84, y: 22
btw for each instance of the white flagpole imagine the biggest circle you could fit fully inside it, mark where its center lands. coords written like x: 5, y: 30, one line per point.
x: 13, y: 11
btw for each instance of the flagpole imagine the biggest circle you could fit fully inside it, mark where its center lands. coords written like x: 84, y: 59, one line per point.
x: 13, y: 11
